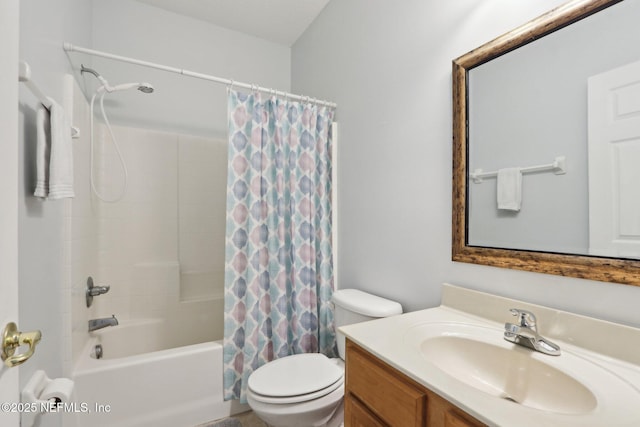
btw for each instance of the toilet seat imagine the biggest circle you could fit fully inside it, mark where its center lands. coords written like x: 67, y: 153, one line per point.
x: 297, y: 378
x: 300, y: 398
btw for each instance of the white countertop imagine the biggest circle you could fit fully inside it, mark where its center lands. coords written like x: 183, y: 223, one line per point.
x: 611, y: 347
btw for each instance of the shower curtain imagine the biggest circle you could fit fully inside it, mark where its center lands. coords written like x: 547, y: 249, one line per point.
x: 279, y: 272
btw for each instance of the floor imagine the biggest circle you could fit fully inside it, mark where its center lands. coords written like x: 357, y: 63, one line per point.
x: 246, y: 419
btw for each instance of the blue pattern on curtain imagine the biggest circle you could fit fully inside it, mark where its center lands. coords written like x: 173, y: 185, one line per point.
x: 279, y: 271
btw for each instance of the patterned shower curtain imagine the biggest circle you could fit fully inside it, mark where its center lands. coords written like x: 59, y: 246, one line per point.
x: 279, y: 273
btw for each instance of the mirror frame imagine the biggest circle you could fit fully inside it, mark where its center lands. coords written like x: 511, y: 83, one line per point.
x: 603, y: 269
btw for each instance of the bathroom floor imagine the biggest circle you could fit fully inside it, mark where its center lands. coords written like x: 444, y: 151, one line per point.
x: 246, y: 419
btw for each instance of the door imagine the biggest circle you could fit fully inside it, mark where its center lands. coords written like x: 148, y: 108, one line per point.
x: 614, y: 162
x: 9, y: 390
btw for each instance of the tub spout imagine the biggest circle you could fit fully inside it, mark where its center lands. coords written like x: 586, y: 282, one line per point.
x: 95, y: 324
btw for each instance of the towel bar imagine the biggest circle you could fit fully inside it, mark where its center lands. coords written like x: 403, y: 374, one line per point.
x: 557, y: 167
x: 24, y: 76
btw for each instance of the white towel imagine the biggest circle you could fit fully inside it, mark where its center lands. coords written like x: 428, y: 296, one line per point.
x: 509, y: 189
x: 43, y: 148
x: 54, y: 153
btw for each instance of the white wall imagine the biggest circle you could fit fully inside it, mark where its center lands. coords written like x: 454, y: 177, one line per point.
x: 81, y: 237
x: 43, y: 291
x: 161, y: 247
x: 179, y: 104
x: 9, y: 12
x: 202, y: 213
x: 388, y: 66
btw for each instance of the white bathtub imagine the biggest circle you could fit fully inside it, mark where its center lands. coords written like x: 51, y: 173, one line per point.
x: 144, y: 383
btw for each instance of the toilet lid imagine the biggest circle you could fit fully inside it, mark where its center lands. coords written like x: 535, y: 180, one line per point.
x: 296, y: 375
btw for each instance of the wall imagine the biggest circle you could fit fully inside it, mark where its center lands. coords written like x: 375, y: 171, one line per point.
x: 161, y: 247
x: 9, y: 12
x: 551, y: 122
x: 180, y: 104
x: 80, y: 235
x: 43, y: 291
x: 388, y: 66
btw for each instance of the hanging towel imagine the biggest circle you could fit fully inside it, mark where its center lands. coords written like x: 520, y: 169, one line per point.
x: 43, y: 148
x: 509, y: 189
x: 54, y: 153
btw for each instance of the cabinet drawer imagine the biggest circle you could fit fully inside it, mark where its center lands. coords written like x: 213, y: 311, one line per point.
x: 358, y: 415
x: 386, y: 393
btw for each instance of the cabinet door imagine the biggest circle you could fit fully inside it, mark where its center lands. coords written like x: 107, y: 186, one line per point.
x: 387, y: 393
x: 357, y: 415
x: 453, y: 419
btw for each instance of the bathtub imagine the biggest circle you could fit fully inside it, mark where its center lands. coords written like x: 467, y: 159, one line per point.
x: 141, y: 382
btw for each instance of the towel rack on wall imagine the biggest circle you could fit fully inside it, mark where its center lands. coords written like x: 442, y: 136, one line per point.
x: 24, y: 76
x: 557, y: 167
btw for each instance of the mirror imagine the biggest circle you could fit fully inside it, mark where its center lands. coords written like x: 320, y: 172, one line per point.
x: 543, y: 178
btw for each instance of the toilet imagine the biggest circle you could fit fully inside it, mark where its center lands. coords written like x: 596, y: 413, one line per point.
x: 307, y: 390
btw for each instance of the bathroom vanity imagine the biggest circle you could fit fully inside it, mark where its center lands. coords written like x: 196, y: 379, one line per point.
x: 378, y: 395
x: 451, y: 366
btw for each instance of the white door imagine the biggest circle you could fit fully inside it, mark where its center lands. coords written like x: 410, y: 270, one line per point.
x: 614, y: 162
x: 8, y: 196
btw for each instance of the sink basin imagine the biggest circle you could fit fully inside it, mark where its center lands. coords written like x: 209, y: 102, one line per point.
x: 480, y: 358
x: 511, y: 374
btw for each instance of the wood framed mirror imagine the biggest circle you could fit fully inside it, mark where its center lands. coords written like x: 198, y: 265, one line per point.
x: 559, y: 260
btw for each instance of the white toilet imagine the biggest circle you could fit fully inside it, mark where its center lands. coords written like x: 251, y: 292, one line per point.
x: 306, y: 390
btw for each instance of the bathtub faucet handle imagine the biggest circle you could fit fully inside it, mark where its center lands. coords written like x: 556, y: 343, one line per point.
x: 94, y: 291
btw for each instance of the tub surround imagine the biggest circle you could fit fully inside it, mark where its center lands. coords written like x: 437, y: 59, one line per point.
x: 584, y: 340
x: 149, y: 382
x: 161, y: 249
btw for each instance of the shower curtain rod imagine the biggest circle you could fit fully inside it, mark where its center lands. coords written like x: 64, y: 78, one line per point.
x: 72, y: 48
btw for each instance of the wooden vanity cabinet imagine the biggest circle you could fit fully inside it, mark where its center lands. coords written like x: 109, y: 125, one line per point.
x: 378, y: 395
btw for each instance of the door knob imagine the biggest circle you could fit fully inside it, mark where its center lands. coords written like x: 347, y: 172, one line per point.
x: 12, y: 339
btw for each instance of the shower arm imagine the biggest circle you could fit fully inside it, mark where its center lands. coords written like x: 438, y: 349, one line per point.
x: 102, y: 80
x: 84, y: 69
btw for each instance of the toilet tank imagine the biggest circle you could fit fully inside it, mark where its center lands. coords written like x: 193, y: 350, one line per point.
x: 354, y: 306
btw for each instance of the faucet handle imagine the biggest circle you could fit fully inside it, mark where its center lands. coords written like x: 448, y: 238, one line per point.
x: 94, y: 291
x: 525, y: 318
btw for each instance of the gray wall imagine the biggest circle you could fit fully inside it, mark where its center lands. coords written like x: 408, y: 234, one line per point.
x: 388, y: 66
x: 44, y: 25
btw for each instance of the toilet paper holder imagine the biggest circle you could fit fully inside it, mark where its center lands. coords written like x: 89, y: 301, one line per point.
x: 42, y: 392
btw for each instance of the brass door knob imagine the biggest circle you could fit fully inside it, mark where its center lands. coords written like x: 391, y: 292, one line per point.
x: 12, y: 339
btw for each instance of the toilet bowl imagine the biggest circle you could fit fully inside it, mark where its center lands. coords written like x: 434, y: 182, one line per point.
x: 299, y: 390
x: 307, y: 390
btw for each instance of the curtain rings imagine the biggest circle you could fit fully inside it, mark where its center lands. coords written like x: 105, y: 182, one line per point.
x: 230, y: 86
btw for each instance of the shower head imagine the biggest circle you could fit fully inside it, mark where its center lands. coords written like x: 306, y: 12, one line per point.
x: 142, y: 87
x: 145, y: 87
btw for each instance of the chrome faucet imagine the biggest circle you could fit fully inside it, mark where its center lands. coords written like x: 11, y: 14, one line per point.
x: 95, y: 324
x: 525, y: 333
